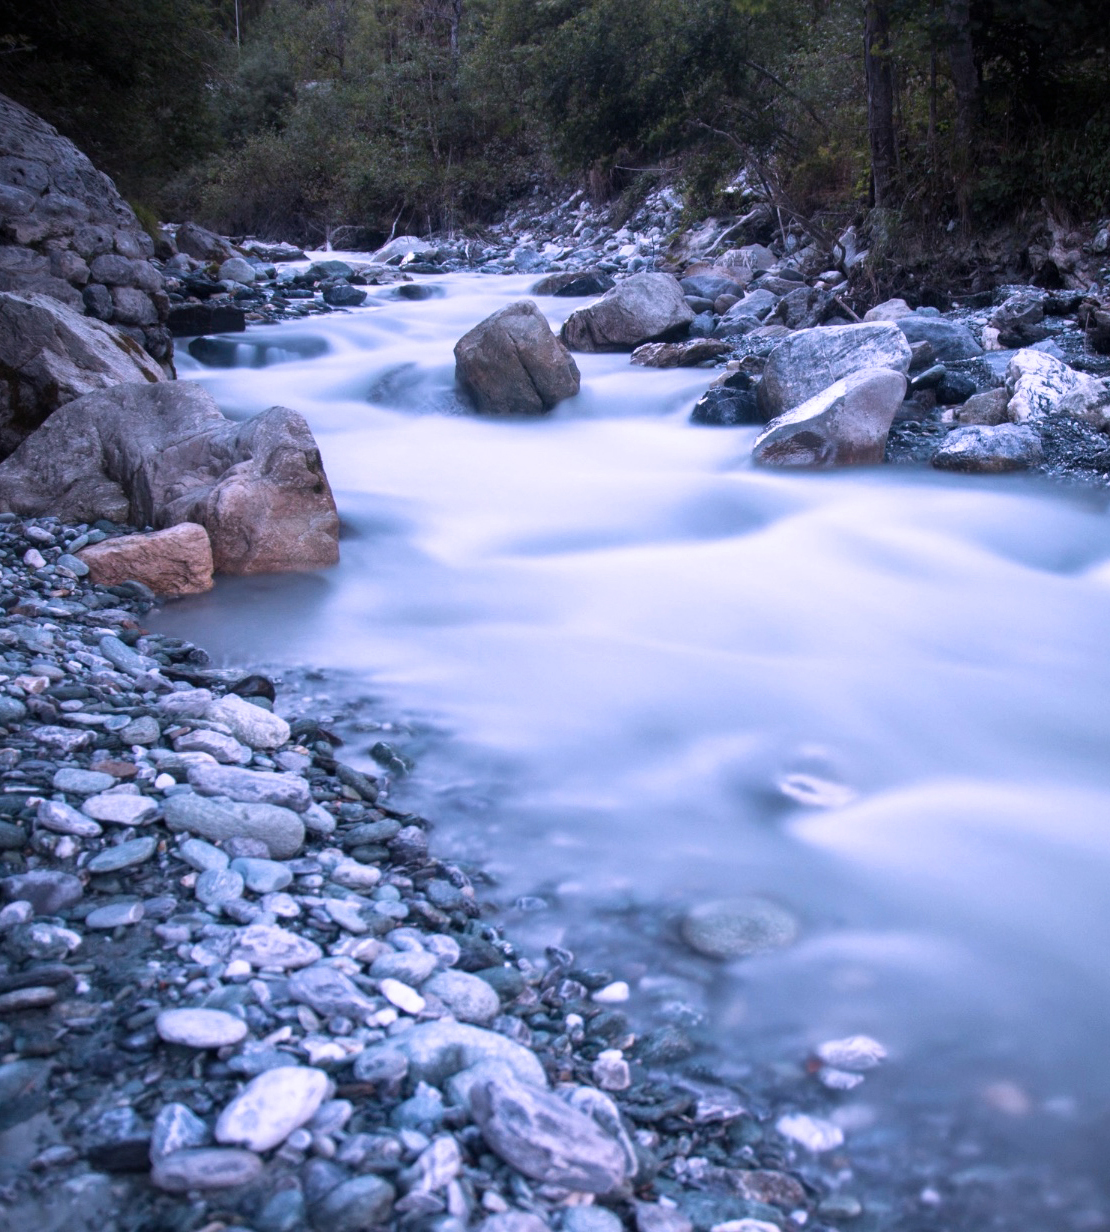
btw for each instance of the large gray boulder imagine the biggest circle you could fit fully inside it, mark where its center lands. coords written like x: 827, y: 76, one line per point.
x: 643, y: 308
x: 66, y: 233
x: 808, y: 362
x: 512, y: 364
x: 51, y: 355
x: 950, y: 340
x: 160, y: 454
x: 844, y: 425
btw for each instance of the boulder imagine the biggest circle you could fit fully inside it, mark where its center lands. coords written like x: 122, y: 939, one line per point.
x: 177, y: 561
x: 809, y: 362
x: 989, y: 450
x: 727, y: 408
x: 51, y: 355
x: 64, y: 227
x: 889, y: 310
x: 679, y: 354
x: 575, y: 285
x: 987, y: 408
x: 844, y: 425
x: 238, y: 269
x: 710, y: 286
x: 203, y: 245
x: 162, y: 454
x: 512, y: 364
x: 950, y: 340
x: 1038, y: 384
x: 1019, y: 320
x: 401, y: 247
x: 643, y: 308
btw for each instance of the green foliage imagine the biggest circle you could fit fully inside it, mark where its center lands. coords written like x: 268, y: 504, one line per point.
x: 434, y: 113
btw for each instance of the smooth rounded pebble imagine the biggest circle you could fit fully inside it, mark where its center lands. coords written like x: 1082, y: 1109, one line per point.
x: 272, y: 1106
x: 469, y: 998
x: 204, y: 1168
x: 120, y: 810
x: 130, y: 854
x: 200, y: 1028
x: 402, y: 996
x: 736, y: 927
x: 114, y: 915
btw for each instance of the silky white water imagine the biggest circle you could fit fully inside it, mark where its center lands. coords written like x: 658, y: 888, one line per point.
x: 629, y: 636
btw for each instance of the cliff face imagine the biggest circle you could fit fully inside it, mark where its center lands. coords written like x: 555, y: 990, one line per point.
x: 65, y: 232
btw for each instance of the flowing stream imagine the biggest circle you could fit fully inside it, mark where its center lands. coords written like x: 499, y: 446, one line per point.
x: 616, y: 641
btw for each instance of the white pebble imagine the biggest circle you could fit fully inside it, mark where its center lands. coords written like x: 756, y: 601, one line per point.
x: 272, y: 1106
x: 813, y: 1133
x: 402, y: 996
x: 857, y: 1052
x: 612, y: 994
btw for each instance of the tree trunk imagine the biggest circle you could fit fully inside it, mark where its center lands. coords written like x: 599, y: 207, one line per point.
x: 456, y: 21
x: 880, y: 99
x: 965, y: 76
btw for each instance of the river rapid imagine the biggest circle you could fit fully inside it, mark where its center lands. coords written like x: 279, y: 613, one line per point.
x: 615, y: 643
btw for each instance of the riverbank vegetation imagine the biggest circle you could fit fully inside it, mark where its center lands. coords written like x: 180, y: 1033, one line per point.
x: 290, y: 117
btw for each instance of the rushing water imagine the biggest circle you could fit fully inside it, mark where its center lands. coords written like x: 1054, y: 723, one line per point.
x: 629, y: 637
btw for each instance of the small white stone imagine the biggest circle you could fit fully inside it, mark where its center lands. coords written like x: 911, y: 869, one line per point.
x: 355, y: 876
x: 839, y: 1079
x: 402, y: 996
x: 612, y: 994
x: 610, y: 1071
x: 813, y: 1133
x: 200, y: 1028
x: 857, y: 1053
x: 272, y: 1106
x: 163, y: 782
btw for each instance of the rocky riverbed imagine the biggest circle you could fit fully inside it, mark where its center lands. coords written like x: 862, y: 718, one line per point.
x: 239, y: 986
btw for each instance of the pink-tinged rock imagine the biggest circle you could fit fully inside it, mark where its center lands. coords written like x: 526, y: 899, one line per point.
x: 177, y: 561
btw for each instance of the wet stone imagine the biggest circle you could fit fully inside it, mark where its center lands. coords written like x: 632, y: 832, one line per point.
x: 205, y: 1168
x: 120, y: 809
x: 202, y: 856
x: 218, y: 885
x: 469, y: 998
x: 262, y: 876
x: 49, y: 891
x: 412, y: 968
x: 266, y: 945
x: 60, y: 818
x: 114, y: 916
x: 176, y: 1128
x: 200, y: 1028
x: 129, y: 854
x: 738, y: 927
x: 355, y: 1205
x: 82, y: 782
x: 272, y: 1106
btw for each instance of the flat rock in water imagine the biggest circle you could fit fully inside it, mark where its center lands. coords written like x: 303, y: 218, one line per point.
x: 734, y: 928
x: 545, y: 1138
x: 857, y: 1053
x: 200, y: 1028
x: 813, y: 1133
x: 577, y: 284
x: 205, y: 1168
x: 989, y: 450
x: 272, y: 1106
x: 727, y: 408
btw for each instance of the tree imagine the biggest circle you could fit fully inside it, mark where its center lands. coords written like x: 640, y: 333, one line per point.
x: 879, y: 72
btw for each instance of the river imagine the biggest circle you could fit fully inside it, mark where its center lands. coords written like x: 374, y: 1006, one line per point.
x: 616, y: 642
